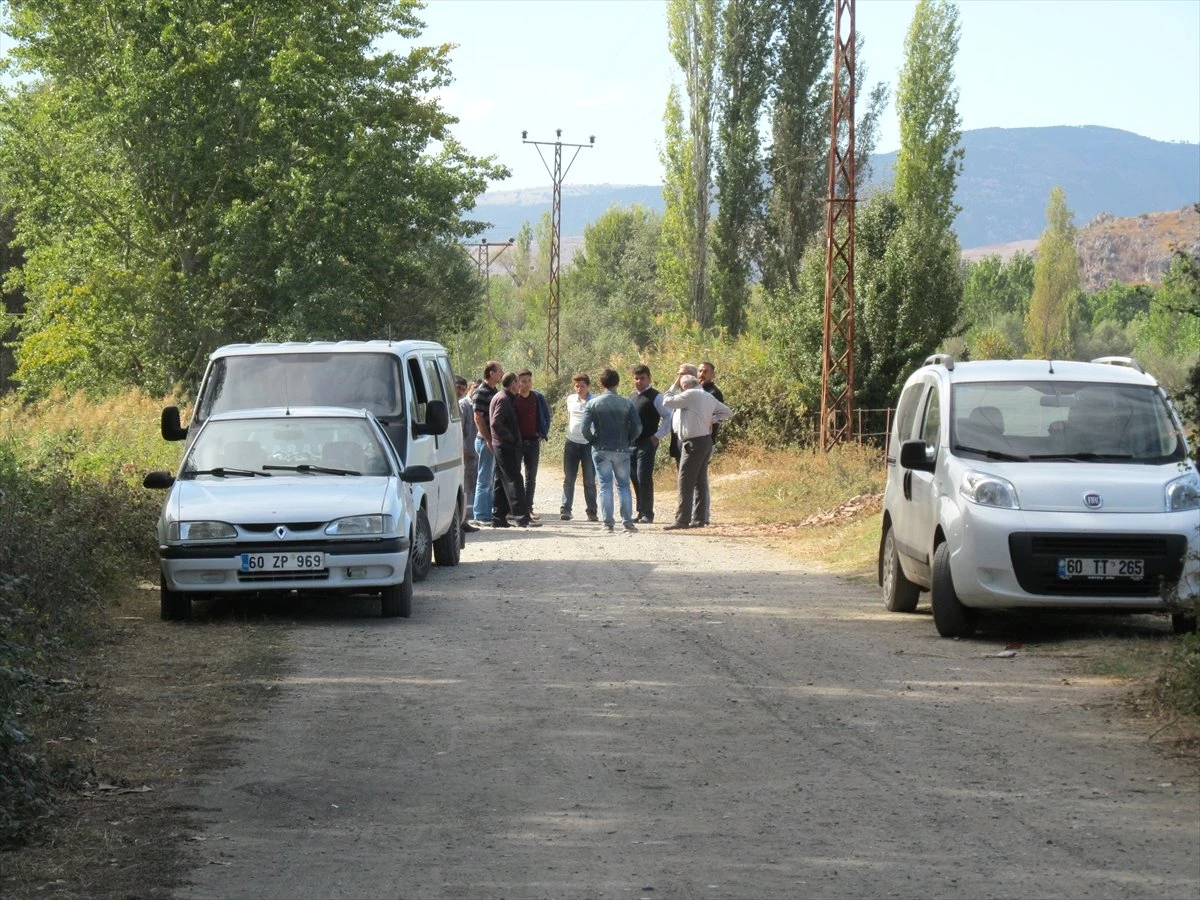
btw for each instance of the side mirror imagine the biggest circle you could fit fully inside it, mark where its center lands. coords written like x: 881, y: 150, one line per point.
x: 158, y: 480
x: 437, y: 419
x: 417, y: 474
x: 171, y: 429
x: 917, y: 455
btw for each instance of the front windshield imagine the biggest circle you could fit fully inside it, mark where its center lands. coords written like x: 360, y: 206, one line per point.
x: 367, y: 381
x: 1064, y: 420
x: 311, y: 445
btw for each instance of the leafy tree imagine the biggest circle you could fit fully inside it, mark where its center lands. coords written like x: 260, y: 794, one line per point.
x: 692, y: 29
x: 930, y: 157
x: 188, y: 173
x: 1117, y: 303
x: 1055, y: 283
x: 746, y: 28
x: 908, y: 279
x: 995, y: 288
x: 613, y: 278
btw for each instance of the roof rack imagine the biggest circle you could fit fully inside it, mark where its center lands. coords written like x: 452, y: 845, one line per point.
x: 941, y: 359
x: 1127, y: 361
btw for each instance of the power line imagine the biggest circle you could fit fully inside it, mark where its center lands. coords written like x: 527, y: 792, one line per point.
x: 557, y: 174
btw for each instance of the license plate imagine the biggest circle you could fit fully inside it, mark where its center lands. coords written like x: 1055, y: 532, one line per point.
x: 282, y: 562
x: 1100, y: 569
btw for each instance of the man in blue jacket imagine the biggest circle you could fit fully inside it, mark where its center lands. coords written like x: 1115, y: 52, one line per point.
x: 611, y: 425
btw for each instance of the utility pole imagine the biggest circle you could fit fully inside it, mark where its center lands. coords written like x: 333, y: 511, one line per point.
x: 483, y: 265
x: 557, y: 174
x: 837, y: 361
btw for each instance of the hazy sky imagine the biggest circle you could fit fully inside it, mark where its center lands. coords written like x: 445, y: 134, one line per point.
x: 601, y: 67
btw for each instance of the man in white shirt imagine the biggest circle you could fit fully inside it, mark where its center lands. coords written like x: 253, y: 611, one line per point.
x: 577, y: 452
x: 695, y: 413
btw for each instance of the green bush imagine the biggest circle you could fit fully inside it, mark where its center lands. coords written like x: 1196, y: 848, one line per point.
x: 74, y: 523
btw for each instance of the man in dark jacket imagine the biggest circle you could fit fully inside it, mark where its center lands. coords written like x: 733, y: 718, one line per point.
x: 505, y: 429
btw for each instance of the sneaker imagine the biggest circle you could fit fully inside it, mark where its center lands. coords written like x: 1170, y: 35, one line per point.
x: 699, y: 524
x: 644, y: 519
x: 527, y: 523
x: 629, y: 526
x: 566, y: 517
x: 500, y: 523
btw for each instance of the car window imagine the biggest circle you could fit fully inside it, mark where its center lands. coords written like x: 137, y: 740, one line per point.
x: 419, y: 397
x: 447, y: 378
x: 932, y: 421
x: 253, y: 444
x: 1039, y: 419
x: 357, y: 380
x: 906, y: 411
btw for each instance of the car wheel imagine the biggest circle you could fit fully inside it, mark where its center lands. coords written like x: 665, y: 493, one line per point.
x: 950, y: 617
x: 397, y: 598
x: 899, y: 594
x: 1183, y: 623
x: 447, y: 549
x: 422, y: 548
x: 174, y: 606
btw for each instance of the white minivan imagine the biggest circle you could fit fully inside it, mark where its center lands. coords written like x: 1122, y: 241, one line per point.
x: 407, y: 385
x: 1037, y: 484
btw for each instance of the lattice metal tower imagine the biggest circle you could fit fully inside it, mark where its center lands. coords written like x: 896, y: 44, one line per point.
x: 837, y: 362
x: 557, y: 174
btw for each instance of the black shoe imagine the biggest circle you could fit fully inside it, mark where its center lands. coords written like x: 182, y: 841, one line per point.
x: 592, y: 517
x: 676, y: 526
x: 500, y: 523
x: 699, y: 524
x: 526, y: 522
x: 608, y: 526
x: 566, y: 517
x: 469, y: 528
x: 644, y: 519
x: 629, y: 526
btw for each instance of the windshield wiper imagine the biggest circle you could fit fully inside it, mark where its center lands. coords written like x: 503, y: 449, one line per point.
x: 222, y: 471
x: 1083, y: 456
x: 308, y: 469
x: 991, y: 454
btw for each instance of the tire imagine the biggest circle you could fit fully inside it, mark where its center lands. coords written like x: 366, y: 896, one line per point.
x: 174, y: 606
x: 899, y: 594
x: 421, y: 554
x: 397, y: 598
x: 447, y: 549
x: 1183, y: 623
x: 950, y: 617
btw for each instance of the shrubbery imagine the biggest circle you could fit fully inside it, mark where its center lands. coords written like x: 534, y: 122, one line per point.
x: 74, y: 523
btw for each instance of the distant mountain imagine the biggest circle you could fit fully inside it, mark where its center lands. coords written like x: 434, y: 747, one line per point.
x: 1003, y: 190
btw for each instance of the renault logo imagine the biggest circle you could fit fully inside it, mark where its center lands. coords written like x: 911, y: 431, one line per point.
x: 280, y: 532
x: 1093, y: 500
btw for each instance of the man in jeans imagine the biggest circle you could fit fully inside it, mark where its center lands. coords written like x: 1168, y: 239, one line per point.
x: 576, y: 452
x: 486, y: 474
x: 611, y: 425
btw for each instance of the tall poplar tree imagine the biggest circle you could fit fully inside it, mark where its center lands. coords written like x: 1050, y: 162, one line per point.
x: 909, y: 282
x: 745, y: 64
x: 692, y: 36
x: 1055, y: 283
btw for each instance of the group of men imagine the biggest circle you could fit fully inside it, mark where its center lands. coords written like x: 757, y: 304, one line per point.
x: 613, y: 439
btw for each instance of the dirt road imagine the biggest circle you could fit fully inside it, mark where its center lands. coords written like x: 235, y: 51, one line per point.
x: 575, y: 714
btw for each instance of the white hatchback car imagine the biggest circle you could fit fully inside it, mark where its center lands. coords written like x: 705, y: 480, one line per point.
x: 305, y: 499
x: 1037, y: 483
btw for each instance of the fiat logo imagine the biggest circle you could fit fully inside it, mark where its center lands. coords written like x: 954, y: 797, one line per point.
x: 280, y: 532
x: 1093, y: 500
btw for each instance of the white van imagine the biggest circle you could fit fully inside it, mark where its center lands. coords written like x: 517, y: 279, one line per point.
x: 1038, y: 484
x: 407, y: 385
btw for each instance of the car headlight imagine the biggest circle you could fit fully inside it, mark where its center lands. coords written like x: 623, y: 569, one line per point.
x: 201, y: 531
x: 1183, y: 493
x: 360, y: 525
x: 989, y: 490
